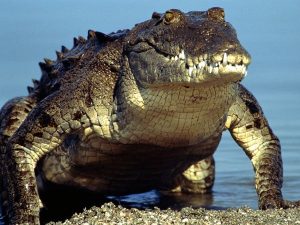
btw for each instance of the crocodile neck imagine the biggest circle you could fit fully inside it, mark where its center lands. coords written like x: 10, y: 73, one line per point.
x: 172, y: 115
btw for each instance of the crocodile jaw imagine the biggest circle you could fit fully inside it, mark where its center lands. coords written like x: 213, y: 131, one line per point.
x: 182, y: 69
x: 217, y: 64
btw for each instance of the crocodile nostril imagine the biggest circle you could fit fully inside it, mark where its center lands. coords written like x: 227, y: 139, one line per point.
x: 216, y: 13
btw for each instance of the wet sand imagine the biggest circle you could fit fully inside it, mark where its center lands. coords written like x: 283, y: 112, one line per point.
x: 112, y: 214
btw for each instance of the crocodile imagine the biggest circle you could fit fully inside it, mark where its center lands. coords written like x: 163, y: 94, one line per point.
x: 137, y: 110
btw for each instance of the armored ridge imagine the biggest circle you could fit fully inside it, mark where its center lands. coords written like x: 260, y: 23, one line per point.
x: 53, y: 71
x: 136, y: 110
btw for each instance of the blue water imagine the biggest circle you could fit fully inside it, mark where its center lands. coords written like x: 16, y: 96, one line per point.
x: 31, y: 30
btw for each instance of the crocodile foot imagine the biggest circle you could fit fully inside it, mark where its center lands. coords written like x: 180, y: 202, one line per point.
x: 291, y: 204
x: 271, y: 203
x: 277, y: 203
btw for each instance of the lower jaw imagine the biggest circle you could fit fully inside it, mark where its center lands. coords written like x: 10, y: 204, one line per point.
x: 215, y: 81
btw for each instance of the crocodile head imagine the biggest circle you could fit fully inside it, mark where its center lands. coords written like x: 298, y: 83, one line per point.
x: 193, y: 48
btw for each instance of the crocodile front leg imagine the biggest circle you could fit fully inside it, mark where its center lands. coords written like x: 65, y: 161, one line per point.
x: 43, y: 130
x: 251, y: 131
x: 23, y: 201
x: 12, y: 115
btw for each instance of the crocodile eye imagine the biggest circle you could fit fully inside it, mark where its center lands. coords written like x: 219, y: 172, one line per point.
x: 171, y: 17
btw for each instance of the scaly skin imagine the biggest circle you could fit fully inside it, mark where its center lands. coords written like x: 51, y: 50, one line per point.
x: 136, y: 110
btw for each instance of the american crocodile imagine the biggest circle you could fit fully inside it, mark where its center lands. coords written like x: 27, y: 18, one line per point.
x: 137, y: 110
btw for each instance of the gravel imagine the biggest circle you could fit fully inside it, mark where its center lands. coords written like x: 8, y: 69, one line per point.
x: 109, y: 213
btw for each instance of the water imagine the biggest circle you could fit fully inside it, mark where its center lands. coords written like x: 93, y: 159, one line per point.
x: 269, y: 30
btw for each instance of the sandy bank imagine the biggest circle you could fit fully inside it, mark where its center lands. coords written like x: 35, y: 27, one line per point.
x: 112, y: 214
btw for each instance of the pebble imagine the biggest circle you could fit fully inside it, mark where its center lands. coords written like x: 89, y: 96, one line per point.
x: 111, y: 214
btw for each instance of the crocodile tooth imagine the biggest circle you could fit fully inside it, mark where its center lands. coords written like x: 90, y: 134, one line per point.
x: 200, y: 58
x: 182, y: 66
x: 210, y: 69
x: 244, y: 69
x: 194, y: 72
x: 205, y: 56
x: 194, y: 68
x: 182, y: 55
x: 190, y: 62
x: 176, y: 57
x: 224, y: 59
x: 234, y: 68
x: 172, y: 58
x: 201, y: 65
x: 190, y: 71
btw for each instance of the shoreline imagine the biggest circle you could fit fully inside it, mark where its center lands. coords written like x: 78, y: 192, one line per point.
x: 110, y: 213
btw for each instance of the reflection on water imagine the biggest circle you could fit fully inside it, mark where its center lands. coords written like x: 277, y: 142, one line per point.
x: 69, y: 205
x: 164, y: 200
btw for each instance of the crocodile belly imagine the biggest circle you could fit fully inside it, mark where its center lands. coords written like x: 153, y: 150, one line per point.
x: 121, y: 169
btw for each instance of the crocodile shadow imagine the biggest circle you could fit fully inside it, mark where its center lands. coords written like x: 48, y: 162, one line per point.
x: 61, y: 203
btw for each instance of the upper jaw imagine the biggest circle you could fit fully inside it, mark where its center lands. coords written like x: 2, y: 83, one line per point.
x: 184, y: 69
